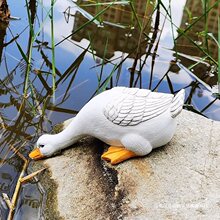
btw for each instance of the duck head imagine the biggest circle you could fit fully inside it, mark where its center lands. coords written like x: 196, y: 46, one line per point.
x: 45, y: 147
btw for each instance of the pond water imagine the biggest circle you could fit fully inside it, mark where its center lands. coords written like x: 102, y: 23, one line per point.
x: 162, y: 47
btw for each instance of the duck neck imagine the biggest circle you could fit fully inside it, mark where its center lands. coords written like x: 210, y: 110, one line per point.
x: 70, y: 135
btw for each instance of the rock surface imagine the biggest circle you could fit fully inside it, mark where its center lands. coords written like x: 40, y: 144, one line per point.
x: 178, y: 181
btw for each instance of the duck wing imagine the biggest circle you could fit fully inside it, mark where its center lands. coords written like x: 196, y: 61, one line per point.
x: 133, y: 106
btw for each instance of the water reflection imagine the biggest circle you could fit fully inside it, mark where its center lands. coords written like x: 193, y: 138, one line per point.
x: 116, y: 49
x: 188, y: 66
x: 30, y: 202
x: 118, y: 29
x: 121, y: 31
x: 197, y: 32
x: 192, y: 56
x: 197, y: 60
x: 9, y: 172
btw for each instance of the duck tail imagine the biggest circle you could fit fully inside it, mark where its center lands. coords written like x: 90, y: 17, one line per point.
x: 177, y: 103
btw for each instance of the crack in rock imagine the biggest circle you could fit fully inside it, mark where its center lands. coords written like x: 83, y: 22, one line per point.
x: 114, y: 194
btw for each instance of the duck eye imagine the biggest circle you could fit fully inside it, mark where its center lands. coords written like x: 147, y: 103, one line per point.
x: 41, y: 146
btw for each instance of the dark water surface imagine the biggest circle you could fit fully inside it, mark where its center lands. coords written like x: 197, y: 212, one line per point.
x: 122, y: 47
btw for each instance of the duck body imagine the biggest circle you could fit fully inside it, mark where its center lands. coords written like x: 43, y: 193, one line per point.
x: 133, y: 120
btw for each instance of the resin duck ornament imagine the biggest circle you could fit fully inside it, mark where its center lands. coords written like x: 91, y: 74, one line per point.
x: 132, y: 121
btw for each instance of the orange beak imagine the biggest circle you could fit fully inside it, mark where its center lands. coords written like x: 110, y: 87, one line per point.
x: 36, y: 154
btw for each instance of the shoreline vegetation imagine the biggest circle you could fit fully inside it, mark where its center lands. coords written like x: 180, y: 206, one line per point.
x: 48, y: 75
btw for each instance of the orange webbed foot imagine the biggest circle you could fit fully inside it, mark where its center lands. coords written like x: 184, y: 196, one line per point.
x: 117, y: 155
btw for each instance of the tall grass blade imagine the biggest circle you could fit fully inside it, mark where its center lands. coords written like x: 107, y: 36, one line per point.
x: 48, y: 63
x: 30, y: 47
x: 72, y: 67
x: 219, y: 54
x: 205, y: 5
x: 22, y: 52
x: 53, y: 50
x: 104, y: 85
x: 135, y: 15
x: 103, y: 61
x: 44, y: 20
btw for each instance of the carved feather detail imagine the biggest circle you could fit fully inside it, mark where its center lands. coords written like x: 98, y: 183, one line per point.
x: 134, y: 106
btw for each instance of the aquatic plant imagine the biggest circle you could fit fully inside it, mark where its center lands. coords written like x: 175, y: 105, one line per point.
x: 123, y: 46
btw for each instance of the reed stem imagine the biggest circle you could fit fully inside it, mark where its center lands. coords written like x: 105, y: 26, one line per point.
x: 53, y: 50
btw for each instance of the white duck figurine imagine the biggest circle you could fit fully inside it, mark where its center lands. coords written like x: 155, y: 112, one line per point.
x: 132, y: 121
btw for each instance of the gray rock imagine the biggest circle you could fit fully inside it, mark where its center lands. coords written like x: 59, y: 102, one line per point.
x: 178, y: 181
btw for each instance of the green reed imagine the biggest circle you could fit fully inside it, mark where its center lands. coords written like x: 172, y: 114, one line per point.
x: 219, y: 54
x: 32, y: 38
x: 53, y: 49
x: 30, y: 47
